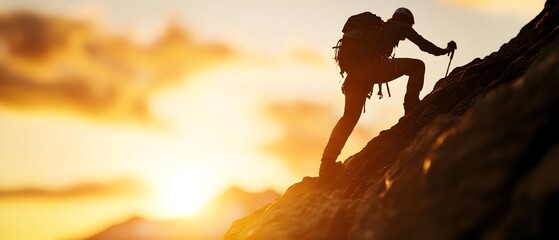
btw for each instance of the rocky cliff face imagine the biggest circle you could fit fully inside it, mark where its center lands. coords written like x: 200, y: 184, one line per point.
x: 478, y: 159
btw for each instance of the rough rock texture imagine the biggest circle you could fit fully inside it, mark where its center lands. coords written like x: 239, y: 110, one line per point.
x: 478, y: 159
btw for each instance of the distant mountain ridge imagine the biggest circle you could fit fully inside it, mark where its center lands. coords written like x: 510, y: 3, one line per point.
x: 477, y: 159
x: 211, y: 224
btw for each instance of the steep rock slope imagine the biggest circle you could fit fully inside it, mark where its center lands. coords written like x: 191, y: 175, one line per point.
x: 476, y: 160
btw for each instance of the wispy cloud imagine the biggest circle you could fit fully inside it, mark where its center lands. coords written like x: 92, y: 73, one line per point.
x: 304, y: 134
x: 118, y: 187
x: 306, y: 128
x: 307, y: 56
x: 521, y: 8
x: 57, y: 63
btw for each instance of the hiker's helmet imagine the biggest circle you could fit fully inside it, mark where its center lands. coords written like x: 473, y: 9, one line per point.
x: 405, y: 14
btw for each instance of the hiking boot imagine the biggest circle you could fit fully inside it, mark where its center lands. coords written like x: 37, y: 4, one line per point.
x: 330, y: 170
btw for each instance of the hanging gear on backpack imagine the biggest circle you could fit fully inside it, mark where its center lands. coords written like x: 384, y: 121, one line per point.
x: 360, y: 43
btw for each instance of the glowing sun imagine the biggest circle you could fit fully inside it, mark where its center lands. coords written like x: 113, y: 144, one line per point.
x: 181, y: 195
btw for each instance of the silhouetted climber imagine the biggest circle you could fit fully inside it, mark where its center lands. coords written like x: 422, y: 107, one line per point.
x: 364, y: 54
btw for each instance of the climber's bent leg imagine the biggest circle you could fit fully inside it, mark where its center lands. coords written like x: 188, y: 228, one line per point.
x: 415, y: 69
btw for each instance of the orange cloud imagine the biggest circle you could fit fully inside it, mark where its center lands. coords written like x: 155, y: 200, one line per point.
x: 55, y: 63
x: 124, y: 186
x: 517, y: 7
x: 307, y: 56
x: 306, y: 129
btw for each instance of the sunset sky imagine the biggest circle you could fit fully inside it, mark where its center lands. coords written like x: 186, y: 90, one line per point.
x: 198, y: 96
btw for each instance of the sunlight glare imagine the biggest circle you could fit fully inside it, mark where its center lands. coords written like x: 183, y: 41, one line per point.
x: 179, y: 195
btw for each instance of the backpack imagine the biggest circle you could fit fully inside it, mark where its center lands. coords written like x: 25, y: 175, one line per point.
x: 362, y: 35
x: 360, y: 40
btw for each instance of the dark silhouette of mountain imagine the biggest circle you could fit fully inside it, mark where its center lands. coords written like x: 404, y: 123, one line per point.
x: 210, y: 224
x: 477, y: 159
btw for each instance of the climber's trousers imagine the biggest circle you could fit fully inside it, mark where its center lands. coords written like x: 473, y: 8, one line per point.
x: 356, y: 90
